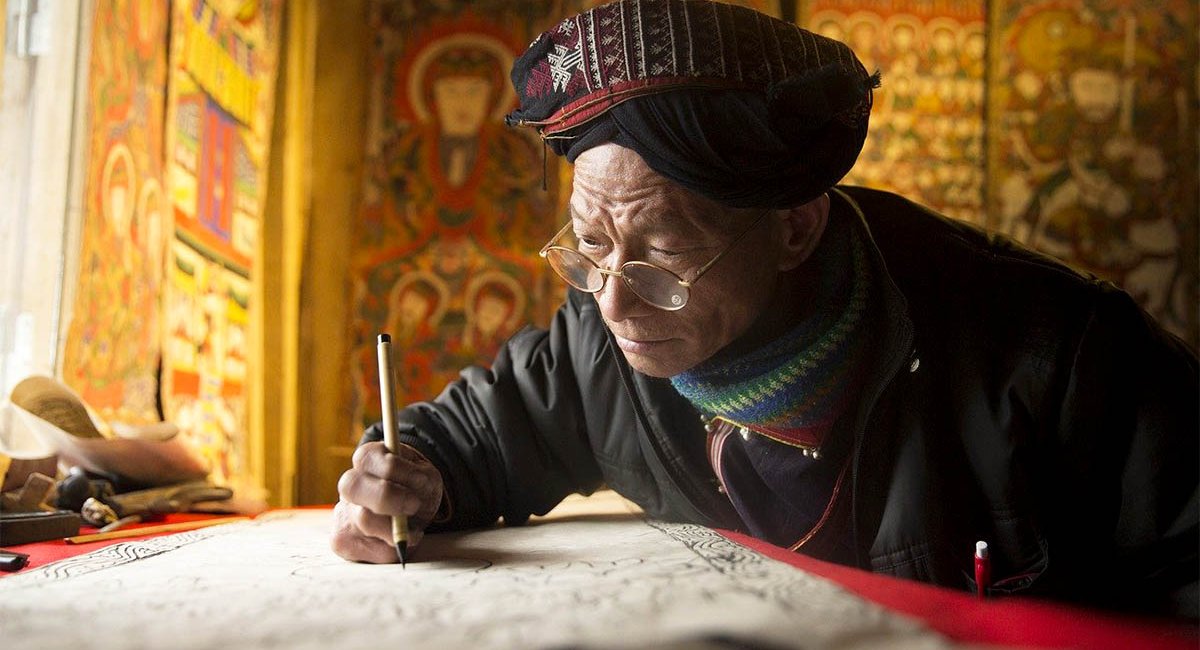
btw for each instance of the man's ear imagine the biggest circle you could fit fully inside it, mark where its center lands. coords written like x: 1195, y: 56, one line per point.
x: 802, y: 228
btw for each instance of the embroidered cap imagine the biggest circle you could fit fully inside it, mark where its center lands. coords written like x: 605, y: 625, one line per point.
x: 748, y: 109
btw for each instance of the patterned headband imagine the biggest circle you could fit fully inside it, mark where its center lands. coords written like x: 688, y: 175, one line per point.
x: 591, y: 62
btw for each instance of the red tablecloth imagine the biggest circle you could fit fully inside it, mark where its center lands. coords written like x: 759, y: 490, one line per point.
x: 41, y: 553
x: 958, y: 615
x: 1005, y: 621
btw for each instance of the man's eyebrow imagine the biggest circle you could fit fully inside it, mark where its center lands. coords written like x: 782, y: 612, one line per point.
x: 575, y: 215
x: 672, y: 219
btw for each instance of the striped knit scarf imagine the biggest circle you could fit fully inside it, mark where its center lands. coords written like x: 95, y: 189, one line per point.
x: 794, y: 388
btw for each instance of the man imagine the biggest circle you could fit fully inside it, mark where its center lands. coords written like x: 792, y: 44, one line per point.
x: 834, y: 370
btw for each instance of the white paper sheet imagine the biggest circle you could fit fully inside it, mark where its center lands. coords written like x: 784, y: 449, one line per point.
x: 606, y: 582
x: 149, y: 454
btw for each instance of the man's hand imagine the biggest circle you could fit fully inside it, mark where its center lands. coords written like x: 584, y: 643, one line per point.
x: 377, y: 486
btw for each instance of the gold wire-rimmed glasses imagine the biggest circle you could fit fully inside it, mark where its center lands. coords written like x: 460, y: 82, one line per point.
x: 652, y: 283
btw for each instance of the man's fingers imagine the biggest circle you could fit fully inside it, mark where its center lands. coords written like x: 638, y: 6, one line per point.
x: 378, y: 486
x: 376, y: 494
x: 407, y: 466
x: 353, y: 538
x: 418, y: 481
x: 387, y: 497
x: 405, y: 452
x: 370, y: 523
x: 363, y: 536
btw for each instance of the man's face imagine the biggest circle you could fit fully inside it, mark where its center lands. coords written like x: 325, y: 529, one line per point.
x: 625, y: 211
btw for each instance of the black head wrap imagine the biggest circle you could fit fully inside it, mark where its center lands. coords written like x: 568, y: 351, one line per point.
x: 746, y: 109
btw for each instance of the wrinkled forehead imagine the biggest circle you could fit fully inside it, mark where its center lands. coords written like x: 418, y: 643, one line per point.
x: 613, y: 184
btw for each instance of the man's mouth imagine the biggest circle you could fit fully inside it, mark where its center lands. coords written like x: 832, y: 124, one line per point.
x: 639, y: 345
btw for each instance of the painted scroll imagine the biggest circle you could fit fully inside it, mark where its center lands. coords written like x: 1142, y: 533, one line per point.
x: 111, y: 353
x: 579, y: 582
x: 223, y: 67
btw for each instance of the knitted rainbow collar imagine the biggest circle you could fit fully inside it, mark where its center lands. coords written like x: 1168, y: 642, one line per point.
x: 794, y: 388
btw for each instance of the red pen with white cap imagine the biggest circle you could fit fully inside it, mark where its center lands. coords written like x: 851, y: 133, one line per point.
x: 983, y: 569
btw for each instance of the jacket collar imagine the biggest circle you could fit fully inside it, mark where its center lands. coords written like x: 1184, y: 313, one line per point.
x: 873, y: 451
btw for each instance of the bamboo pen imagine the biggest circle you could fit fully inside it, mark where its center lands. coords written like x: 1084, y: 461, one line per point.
x: 176, y: 527
x: 387, y: 396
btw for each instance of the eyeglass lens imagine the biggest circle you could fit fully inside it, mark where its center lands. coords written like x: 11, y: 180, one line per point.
x: 576, y: 269
x: 652, y: 284
x: 656, y: 286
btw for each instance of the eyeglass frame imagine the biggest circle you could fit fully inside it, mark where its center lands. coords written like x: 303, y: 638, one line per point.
x: 620, y: 273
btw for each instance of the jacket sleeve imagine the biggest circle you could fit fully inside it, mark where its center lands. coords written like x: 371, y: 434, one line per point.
x: 511, y: 440
x: 1128, y: 461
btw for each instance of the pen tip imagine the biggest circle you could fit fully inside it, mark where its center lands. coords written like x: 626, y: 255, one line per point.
x: 385, y: 338
x: 402, y: 553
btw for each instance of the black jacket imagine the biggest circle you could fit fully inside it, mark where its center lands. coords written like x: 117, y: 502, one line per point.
x: 1011, y: 399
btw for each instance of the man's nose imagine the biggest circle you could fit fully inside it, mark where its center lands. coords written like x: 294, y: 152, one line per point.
x: 617, y: 301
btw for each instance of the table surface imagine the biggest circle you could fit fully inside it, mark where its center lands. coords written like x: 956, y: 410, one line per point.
x: 1011, y: 621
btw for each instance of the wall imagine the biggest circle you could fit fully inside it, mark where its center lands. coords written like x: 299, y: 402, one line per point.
x: 337, y: 116
x: 1069, y: 125
x: 179, y: 112
x: 42, y: 137
x: 437, y: 223
x: 112, y: 348
x: 1092, y: 143
x: 453, y: 207
x: 397, y: 202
